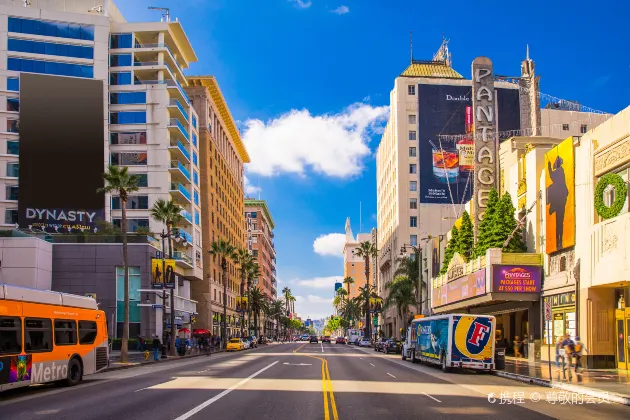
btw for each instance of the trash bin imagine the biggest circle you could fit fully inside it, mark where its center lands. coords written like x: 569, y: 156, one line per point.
x: 499, y: 358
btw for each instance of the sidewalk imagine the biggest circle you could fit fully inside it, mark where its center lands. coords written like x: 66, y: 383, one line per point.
x: 611, y: 384
x: 136, y: 358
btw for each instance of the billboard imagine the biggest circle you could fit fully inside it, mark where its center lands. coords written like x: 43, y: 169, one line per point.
x: 432, y: 337
x: 516, y: 278
x: 445, y: 165
x: 560, y: 194
x: 465, y: 287
x: 473, y: 338
x: 162, y: 273
x: 337, y: 286
x: 62, y: 153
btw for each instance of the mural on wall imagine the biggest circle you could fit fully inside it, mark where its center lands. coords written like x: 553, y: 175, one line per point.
x: 560, y: 194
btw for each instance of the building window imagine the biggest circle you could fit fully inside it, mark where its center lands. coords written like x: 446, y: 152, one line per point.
x: 196, y: 197
x: 413, y: 221
x: 133, y: 224
x: 50, y: 48
x: 120, y: 78
x: 134, y: 202
x: 13, y: 126
x: 194, y: 122
x: 143, y: 180
x: 412, y: 152
x: 49, y: 28
x: 125, y: 98
x: 130, y: 158
x: 13, y: 104
x: 50, y: 67
x: 412, y: 119
x: 583, y: 128
x: 13, y: 169
x: 565, y: 127
x: 411, y: 89
x: 194, y: 137
x: 128, y: 117
x: 134, y: 299
x: 13, y: 84
x: 412, y: 135
x: 12, y: 192
x: 413, y: 168
x: 413, y: 203
x: 10, y: 216
x: 138, y: 137
x: 196, y: 178
x: 120, y: 60
x: 195, y: 159
x: 13, y: 147
x: 120, y: 41
x: 413, y: 185
x: 413, y: 240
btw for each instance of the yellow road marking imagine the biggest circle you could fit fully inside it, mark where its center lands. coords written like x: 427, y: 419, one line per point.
x: 327, y: 388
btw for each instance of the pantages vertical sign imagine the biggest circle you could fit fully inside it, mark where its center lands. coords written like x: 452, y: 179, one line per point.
x: 485, y: 140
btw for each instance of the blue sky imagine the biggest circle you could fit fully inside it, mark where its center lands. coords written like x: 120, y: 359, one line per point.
x: 309, y: 83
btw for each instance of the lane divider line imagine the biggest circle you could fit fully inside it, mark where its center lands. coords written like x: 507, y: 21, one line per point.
x: 391, y: 375
x: 372, y: 364
x: 327, y: 388
x: 222, y: 394
x: 433, y: 398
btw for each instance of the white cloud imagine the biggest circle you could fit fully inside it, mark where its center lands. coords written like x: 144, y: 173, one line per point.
x: 341, y: 10
x: 330, y: 244
x: 301, y: 4
x: 318, y: 282
x: 313, y: 306
x: 330, y: 144
x: 250, y: 190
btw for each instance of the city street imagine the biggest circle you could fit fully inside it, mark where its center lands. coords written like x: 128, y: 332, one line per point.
x: 290, y: 381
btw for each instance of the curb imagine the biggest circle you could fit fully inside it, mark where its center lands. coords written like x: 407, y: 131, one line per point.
x: 153, y: 362
x: 619, y: 399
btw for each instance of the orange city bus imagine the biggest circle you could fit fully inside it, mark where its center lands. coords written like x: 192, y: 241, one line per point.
x: 48, y: 336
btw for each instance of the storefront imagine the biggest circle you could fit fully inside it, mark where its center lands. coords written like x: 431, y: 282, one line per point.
x: 563, y: 318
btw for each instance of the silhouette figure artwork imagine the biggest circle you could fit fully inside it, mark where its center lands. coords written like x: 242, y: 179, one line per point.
x: 557, y: 196
x: 169, y: 276
x: 158, y: 274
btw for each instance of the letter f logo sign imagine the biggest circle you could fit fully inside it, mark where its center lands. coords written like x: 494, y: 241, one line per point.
x: 478, y: 334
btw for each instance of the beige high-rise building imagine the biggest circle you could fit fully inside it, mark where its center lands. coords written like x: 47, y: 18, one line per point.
x: 354, y: 266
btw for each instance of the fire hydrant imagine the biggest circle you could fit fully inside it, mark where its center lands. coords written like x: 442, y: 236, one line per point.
x: 146, y: 355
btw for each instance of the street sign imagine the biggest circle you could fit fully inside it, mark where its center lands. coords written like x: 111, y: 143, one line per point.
x: 547, y: 310
x: 157, y: 306
x: 158, y: 255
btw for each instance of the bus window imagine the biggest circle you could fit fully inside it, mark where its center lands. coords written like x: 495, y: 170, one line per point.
x: 65, y: 332
x: 87, y: 332
x: 37, y: 335
x: 10, y: 335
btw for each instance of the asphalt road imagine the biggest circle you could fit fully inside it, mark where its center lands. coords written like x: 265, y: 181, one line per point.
x: 299, y: 382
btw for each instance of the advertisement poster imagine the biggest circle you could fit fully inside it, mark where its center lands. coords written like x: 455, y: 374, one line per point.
x: 466, y: 287
x: 242, y: 304
x: 560, y: 194
x: 162, y: 273
x: 445, y: 166
x: 516, y: 278
x: 473, y: 338
x: 432, y: 337
x: 15, y: 369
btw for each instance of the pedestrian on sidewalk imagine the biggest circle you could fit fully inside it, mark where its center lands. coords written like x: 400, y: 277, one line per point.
x: 569, y: 350
x: 580, y: 349
x: 517, y: 347
x: 156, y: 348
x: 559, y: 353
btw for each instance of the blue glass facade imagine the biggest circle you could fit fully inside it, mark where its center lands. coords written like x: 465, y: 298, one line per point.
x: 196, y: 197
x: 121, y: 98
x: 128, y: 117
x: 120, y: 41
x: 194, y: 139
x: 196, y: 178
x: 120, y: 60
x: 13, y: 84
x: 50, y: 67
x: 120, y: 78
x: 197, y: 220
x: 195, y: 159
x: 50, y: 48
x: 50, y: 28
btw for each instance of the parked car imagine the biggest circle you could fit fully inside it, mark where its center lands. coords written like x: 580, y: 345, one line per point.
x: 340, y: 340
x: 305, y: 337
x: 356, y: 341
x: 378, y: 346
x: 314, y: 339
x: 326, y: 339
x: 365, y: 343
x: 235, y: 344
x: 391, y: 346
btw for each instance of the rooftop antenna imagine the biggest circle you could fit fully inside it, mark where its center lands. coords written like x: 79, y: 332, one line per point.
x: 411, y: 47
x: 166, y: 13
x: 527, y: 53
x: 98, y: 9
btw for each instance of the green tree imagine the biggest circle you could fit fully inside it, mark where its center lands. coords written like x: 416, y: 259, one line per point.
x: 258, y: 304
x: 401, y: 296
x: 118, y: 180
x: 483, y: 234
x: 367, y: 250
x: 223, y: 250
x: 351, y: 311
x: 348, y: 281
x: 466, y: 238
x: 169, y: 213
x: 504, y: 225
x: 276, y: 310
x: 253, y: 273
x: 451, y: 249
x: 244, y: 260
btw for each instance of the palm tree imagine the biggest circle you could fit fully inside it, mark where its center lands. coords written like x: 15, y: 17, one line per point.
x: 351, y: 310
x: 286, y: 292
x: 169, y: 213
x: 119, y: 180
x: 253, y: 273
x: 276, y: 308
x: 244, y: 260
x: 367, y: 250
x: 410, y: 268
x: 224, y: 250
x: 402, y: 294
x: 258, y: 303
x: 348, y: 281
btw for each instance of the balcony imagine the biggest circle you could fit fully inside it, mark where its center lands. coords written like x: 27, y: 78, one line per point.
x: 178, y: 150
x: 180, y: 193
x: 177, y: 87
x: 177, y: 128
x: 187, y: 237
x: 178, y: 109
x: 179, y: 172
x: 187, y: 216
x: 182, y: 259
x: 13, y: 148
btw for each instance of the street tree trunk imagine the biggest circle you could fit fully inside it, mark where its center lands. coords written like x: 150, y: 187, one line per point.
x: 173, y: 327
x: 224, y: 323
x: 368, y: 320
x: 243, y: 294
x: 124, y: 348
x: 249, y: 306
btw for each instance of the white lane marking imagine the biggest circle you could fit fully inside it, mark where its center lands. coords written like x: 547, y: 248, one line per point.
x: 322, y: 343
x: 297, y: 364
x: 138, y: 390
x: 202, y: 371
x: 433, y: 398
x: 361, y: 358
x: 223, y: 394
x: 391, y: 375
x: 371, y: 364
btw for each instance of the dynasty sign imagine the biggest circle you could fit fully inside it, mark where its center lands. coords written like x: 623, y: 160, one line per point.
x: 60, y: 219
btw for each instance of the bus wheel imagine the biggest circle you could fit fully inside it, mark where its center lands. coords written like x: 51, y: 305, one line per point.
x: 445, y: 368
x: 74, y: 372
x: 413, y: 356
x: 403, y: 355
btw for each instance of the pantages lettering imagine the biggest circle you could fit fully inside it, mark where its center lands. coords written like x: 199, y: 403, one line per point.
x: 58, y: 215
x: 485, y: 142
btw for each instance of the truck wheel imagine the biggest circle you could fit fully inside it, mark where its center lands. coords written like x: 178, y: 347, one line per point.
x: 445, y: 368
x: 403, y: 355
x: 413, y: 356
